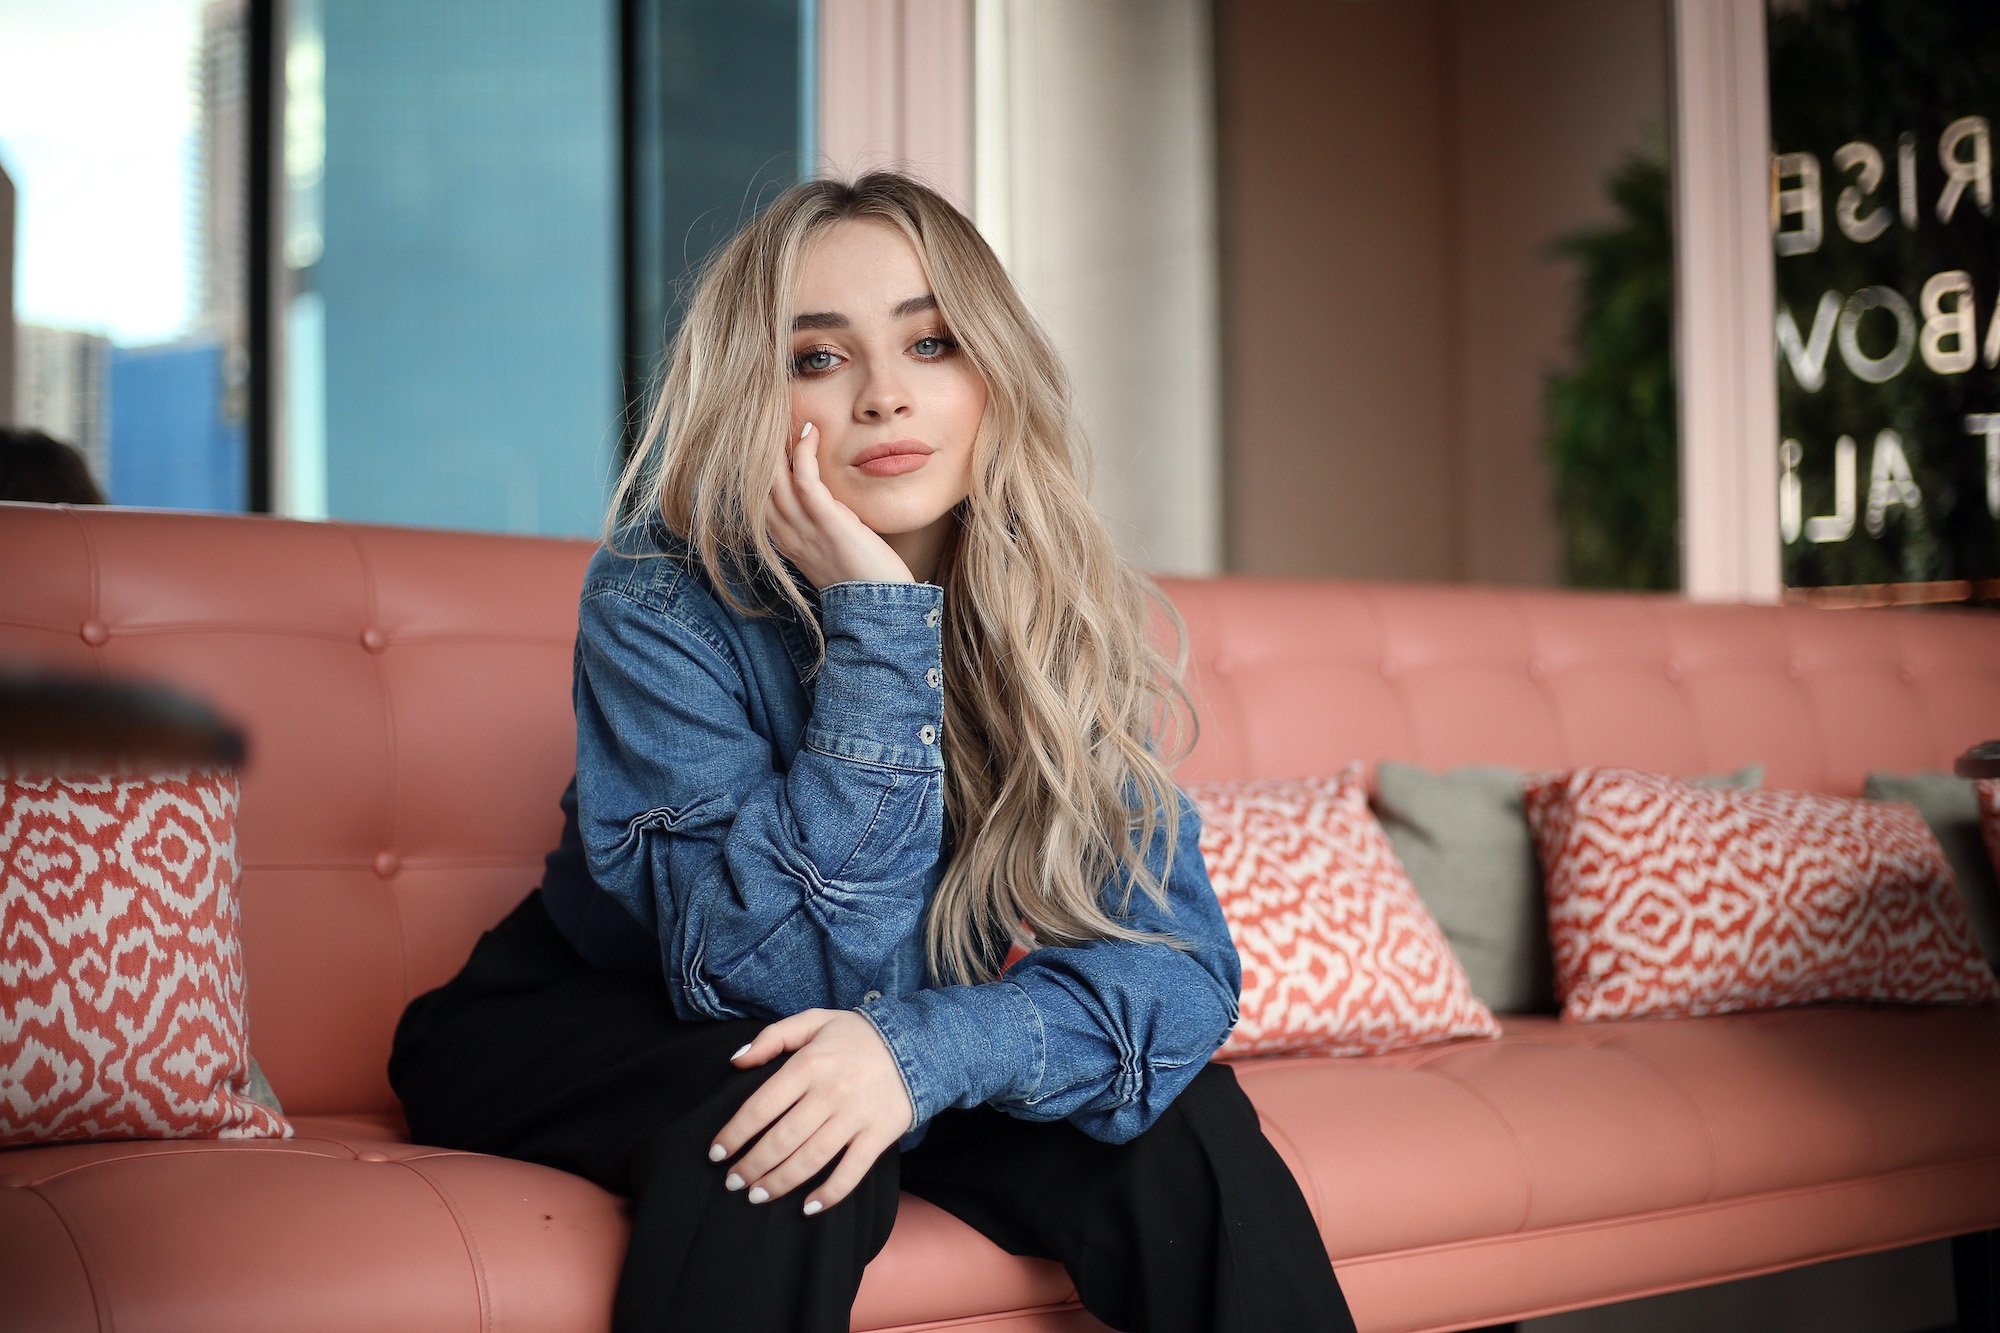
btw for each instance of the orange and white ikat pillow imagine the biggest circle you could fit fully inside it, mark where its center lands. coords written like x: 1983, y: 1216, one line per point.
x: 122, y: 1004
x: 1340, y: 955
x: 1666, y: 898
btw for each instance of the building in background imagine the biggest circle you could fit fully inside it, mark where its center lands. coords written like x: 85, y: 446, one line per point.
x: 222, y: 194
x: 158, y: 411
x: 175, y: 424
x: 62, y: 387
x: 174, y: 442
x: 221, y: 188
x: 7, y: 335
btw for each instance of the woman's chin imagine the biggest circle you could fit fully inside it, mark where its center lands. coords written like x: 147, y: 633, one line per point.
x: 893, y: 520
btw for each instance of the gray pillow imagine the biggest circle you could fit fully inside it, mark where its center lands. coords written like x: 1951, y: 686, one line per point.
x: 1464, y: 839
x: 1950, y: 806
x: 260, y: 1089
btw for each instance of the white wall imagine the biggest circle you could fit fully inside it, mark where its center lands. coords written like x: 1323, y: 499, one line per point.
x: 1099, y: 186
x: 1392, y: 173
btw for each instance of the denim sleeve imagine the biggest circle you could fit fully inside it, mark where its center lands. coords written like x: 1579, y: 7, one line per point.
x: 1104, y: 1034
x: 769, y: 891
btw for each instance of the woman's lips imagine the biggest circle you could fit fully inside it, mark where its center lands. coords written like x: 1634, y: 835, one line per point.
x: 892, y: 464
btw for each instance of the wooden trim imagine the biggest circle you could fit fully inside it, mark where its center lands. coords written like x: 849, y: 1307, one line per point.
x: 1943, y: 592
x: 1725, y: 303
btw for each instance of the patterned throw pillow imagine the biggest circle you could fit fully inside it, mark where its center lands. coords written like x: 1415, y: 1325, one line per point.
x: 1465, y: 843
x: 1667, y: 898
x: 1340, y: 956
x: 122, y: 1007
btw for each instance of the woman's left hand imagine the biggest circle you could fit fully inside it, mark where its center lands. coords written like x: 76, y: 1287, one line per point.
x: 839, y: 1094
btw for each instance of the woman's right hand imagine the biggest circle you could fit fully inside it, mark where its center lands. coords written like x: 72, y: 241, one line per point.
x: 840, y: 1095
x: 823, y: 537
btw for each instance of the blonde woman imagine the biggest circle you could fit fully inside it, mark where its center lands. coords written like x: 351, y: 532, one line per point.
x: 866, y: 711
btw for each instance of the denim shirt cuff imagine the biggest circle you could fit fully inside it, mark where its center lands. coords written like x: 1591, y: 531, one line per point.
x: 962, y: 1045
x: 880, y: 697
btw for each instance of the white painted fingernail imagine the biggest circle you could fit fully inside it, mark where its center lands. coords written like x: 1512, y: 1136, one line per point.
x: 803, y: 429
x: 812, y: 1206
x: 717, y: 1152
x: 759, y: 1194
x: 735, y: 1182
x: 742, y: 1050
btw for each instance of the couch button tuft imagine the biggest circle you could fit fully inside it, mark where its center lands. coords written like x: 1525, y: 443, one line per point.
x: 374, y: 640
x: 371, y: 1156
x: 387, y: 864
x: 94, y: 631
x: 1224, y: 664
x: 1675, y: 671
x: 1796, y: 670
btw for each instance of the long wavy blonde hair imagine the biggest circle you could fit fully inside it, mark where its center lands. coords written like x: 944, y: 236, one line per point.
x: 1053, y: 686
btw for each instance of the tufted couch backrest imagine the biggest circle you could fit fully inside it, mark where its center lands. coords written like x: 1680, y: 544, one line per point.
x: 406, y: 696
x: 406, y: 699
x: 1300, y: 674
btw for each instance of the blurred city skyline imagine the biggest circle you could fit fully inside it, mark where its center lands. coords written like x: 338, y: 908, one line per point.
x: 99, y: 131
x: 124, y: 129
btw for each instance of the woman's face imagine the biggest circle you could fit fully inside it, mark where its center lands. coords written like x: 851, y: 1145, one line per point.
x: 873, y: 364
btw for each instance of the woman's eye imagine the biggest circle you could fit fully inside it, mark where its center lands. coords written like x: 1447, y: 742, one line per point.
x: 815, y: 362
x: 933, y: 346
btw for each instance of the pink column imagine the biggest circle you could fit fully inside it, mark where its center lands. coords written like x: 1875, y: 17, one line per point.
x: 895, y: 89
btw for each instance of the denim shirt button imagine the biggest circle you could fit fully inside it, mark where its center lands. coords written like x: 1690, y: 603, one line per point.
x: 928, y: 734
x: 930, y: 618
x: 871, y: 997
x: 931, y: 678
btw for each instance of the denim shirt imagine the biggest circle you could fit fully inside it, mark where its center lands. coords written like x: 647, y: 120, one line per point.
x: 771, y: 845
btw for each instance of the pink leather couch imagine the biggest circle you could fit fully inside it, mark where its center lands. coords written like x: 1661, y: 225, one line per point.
x: 407, y: 697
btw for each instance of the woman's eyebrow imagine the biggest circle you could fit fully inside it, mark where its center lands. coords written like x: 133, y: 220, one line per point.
x: 833, y: 319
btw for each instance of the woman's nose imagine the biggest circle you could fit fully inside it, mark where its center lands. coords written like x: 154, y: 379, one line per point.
x: 883, y: 395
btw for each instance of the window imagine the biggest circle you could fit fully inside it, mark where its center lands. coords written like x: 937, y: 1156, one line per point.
x: 474, y: 219
x: 124, y: 136
x: 449, y: 304
x: 1882, y: 120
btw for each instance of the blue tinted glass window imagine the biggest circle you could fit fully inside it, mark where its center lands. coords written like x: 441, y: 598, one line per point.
x: 452, y: 240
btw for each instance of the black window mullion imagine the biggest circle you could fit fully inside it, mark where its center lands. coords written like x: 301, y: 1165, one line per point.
x: 260, y: 375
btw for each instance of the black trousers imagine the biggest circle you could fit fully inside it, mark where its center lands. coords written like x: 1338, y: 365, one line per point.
x: 531, y: 1053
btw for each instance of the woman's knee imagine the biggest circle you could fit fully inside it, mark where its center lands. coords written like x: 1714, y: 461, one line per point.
x: 672, y: 1167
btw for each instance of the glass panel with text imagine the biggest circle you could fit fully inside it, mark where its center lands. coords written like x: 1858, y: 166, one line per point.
x: 1882, y: 117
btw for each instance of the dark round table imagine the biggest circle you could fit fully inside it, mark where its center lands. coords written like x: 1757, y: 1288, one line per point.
x: 1981, y: 761
x: 80, y: 719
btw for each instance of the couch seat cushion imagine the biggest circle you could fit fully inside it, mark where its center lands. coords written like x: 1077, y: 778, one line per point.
x: 1565, y: 1123
x: 196, y: 1233
x: 1551, y: 1126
